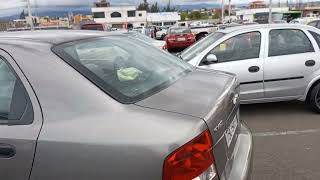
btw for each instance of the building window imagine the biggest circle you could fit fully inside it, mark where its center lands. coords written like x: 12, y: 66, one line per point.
x: 115, y: 15
x: 131, y: 13
x: 169, y: 23
x: 157, y: 23
x: 99, y: 15
x: 140, y: 14
x: 142, y: 24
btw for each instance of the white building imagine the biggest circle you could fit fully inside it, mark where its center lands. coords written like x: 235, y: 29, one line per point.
x: 120, y: 16
x: 249, y: 14
x: 163, y: 18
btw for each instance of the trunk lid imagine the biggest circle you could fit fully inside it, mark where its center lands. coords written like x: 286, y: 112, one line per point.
x: 211, y: 96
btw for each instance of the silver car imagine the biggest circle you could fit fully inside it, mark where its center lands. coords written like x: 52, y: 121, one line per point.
x: 272, y: 62
x: 86, y: 105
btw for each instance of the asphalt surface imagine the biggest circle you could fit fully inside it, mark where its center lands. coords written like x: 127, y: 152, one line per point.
x: 286, y: 141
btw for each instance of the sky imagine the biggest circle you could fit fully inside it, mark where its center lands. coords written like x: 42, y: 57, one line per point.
x: 7, y: 4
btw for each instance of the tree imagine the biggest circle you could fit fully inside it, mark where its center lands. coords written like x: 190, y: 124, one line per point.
x: 22, y: 15
x: 184, y: 16
x: 144, y: 6
x: 168, y: 8
x: 195, y: 15
x: 155, y: 8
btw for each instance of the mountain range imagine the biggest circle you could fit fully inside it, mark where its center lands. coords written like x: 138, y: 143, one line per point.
x: 63, y: 11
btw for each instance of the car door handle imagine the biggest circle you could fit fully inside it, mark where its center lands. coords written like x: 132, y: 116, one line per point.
x: 7, y: 151
x: 254, y: 69
x: 310, y: 63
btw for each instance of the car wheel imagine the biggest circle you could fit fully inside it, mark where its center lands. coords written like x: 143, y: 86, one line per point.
x: 163, y: 36
x: 314, y: 98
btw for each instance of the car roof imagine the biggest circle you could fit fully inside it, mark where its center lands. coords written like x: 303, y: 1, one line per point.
x: 54, y: 36
x: 260, y: 26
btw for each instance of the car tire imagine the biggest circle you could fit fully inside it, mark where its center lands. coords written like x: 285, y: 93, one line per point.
x: 163, y: 36
x: 314, y: 98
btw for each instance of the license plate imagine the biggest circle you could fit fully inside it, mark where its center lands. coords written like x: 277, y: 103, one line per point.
x: 181, y: 39
x: 230, y: 131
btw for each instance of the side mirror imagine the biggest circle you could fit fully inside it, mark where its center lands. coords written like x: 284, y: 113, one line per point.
x: 211, y: 58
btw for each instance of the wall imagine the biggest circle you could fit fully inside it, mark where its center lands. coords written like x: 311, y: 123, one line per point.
x: 141, y: 16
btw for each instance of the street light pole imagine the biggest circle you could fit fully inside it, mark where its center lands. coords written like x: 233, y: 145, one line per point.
x: 30, y: 14
x: 222, y: 11
x: 229, y: 10
x: 270, y: 11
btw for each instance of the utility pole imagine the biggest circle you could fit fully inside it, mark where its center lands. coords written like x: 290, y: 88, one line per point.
x: 270, y: 11
x: 222, y: 11
x: 30, y: 14
x: 229, y: 11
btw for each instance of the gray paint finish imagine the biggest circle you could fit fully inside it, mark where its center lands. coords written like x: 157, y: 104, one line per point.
x: 88, y: 135
x: 22, y: 137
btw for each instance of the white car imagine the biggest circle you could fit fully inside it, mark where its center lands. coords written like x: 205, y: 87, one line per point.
x: 140, y: 29
x: 276, y: 62
x: 162, y: 33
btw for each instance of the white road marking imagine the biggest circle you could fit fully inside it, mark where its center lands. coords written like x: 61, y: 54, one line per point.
x: 284, y: 133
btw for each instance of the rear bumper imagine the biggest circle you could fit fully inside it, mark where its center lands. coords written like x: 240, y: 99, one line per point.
x: 243, y: 157
x: 185, y: 44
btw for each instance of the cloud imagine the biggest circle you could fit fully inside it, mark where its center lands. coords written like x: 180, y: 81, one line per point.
x: 5, y: 4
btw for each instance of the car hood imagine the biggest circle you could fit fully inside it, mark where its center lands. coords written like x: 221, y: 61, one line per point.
x: 194, y: 95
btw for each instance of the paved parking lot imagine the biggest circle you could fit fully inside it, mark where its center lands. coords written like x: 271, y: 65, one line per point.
x: 287, y: 141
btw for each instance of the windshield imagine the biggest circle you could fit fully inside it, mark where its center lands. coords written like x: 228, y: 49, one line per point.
x: 203, y: 44
x: 141, y: 37
x: 179, y: 31
x: 117, y: 66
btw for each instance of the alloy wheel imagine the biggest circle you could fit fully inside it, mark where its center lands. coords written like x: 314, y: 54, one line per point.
x: 317, y: 99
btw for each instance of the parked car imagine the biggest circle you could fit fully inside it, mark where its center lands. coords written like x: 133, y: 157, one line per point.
x: 304, y: 20
x: 229, y: 25
x: 179, y: 38
x: 94, y: 26
x: 157, y: 43
x: 315, y: 24
x: 279, y: 22
x: 200, y: 31
x: 93, y: 105
x: 276, y: 62
x: 140, y: 29
x: 161, y: 34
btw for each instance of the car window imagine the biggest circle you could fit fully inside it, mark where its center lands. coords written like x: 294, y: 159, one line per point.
x: 316, y: 37
x: 197, y: 48
x: 13, y: 97
x: 240, y: 47
x: 314, y: 24
x: 288, y: 41
x: 117, y: 66
x: 179, y: 30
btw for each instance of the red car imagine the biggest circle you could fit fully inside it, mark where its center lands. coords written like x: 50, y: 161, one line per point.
x: 93, y: 26
x: 179, y: 38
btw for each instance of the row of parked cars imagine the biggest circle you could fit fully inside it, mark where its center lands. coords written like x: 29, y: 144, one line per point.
x: 96, y: 105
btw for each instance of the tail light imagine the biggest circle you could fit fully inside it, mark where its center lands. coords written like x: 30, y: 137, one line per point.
x: 165, y: 47
x: 191, y: 37
x: 171, y: 38
x: 192, y: 161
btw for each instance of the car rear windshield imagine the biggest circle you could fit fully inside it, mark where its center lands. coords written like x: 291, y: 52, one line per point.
x: 126, y: 69
x: 200, y: 46
x: 179, y: 31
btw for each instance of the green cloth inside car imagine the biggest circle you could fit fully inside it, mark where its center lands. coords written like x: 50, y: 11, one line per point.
x: 128, y: 74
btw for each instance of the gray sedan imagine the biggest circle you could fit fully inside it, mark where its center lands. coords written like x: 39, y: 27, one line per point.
x: 273, y: 62
x: 86, y: 105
